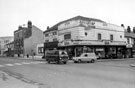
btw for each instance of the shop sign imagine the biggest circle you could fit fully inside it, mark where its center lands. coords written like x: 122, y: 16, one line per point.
x: 66, y: 43
x: 129, y: 45
x: 100, y: 49
x: 106, y: 42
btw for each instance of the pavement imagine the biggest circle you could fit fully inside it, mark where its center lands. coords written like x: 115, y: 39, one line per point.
x: 7, y: 81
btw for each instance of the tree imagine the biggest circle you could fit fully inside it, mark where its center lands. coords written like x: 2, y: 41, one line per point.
x: 128, y: 29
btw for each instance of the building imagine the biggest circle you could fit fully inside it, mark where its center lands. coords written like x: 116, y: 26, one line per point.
x: 10, y: 49
x: 26, y: 39
x: 130, y: 46
x: 81, y: 34
x: 3, y: 41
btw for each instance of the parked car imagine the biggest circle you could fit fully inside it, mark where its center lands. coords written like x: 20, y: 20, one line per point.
x: 56, y: 56
x: 85, y: 57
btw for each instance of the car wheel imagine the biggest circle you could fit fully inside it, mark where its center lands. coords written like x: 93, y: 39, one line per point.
x: 88, y: 61
x: 75, y: 61
x: 79, y: 60
x: 57, y: 62
x: 92, y: 61
x: 65, y: 62
x: 48, y: 62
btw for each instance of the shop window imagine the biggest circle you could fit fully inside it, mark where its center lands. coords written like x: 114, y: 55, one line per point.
x: 40, y: 49
x: 99, y: 36
x: 111, y: 37
x: 67, y: 36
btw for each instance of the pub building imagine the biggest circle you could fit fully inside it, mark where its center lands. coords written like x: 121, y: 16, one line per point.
x: 82, y: 34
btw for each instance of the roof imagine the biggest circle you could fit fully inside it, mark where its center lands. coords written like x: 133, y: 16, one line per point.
x: 130, y: 35
x: 55, y: 27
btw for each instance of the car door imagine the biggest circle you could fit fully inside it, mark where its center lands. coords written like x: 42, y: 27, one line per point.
x: 85, y: 57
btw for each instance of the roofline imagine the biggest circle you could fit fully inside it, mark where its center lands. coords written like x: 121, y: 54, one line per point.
x: 76, y: 17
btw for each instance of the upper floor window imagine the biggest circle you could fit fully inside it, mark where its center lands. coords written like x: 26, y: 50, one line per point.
x: 111, y: 37
x: 67, y: 36
x: 55, y: 39
x: 46, y: 35
x: 6, y: 41
x: 120, y: 36
x: 55, y: 33
x: 46, y: 40
x: 99, y: 36
x: 128, y: 41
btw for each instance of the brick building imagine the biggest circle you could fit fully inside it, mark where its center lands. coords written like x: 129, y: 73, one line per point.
x: 26, y: 39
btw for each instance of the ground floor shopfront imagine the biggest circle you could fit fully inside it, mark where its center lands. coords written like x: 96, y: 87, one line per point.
x: 104, y: 52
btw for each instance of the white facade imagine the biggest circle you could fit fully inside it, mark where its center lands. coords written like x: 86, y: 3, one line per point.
x: 88, y: 31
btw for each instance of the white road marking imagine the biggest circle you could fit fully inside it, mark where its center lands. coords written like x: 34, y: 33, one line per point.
x: 9, y: 64
x: 22, y: 63
x: 17, y: 63
x: 1, y: 65
x: 25, y: 63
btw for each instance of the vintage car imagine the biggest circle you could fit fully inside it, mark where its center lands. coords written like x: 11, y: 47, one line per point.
x: 85, y: 57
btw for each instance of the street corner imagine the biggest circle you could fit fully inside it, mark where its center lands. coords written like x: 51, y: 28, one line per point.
x: 7, y: 81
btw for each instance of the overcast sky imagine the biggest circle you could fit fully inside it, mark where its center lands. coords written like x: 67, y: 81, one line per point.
x: 45, y: 13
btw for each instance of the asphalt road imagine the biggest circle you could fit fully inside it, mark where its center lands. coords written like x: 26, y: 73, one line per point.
x: 105, y: 74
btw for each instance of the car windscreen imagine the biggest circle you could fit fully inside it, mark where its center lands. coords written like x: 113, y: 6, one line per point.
x: 63, y: 53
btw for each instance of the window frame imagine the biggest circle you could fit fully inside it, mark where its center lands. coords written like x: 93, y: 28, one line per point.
x: 99, y: 36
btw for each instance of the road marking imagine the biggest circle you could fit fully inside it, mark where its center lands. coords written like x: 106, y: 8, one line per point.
x: 22, y: 63
x: 17, y: 63
x: 9, y: 64
x: 25, y: 63
x: 1, y: 65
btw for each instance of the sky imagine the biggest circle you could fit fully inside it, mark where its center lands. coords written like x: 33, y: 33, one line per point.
x: 45, y: 13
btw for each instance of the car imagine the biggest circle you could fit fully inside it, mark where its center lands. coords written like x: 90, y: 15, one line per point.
x: 56, y: 56
x: 86, y: 57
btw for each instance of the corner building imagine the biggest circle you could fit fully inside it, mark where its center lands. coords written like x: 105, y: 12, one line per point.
x: 82, y: 34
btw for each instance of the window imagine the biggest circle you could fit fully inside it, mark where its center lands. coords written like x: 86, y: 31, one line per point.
x: 99, y: 36
x: 86, y: 33
x: 55, y: 39
x: 111, y: 37
x: 120, y: 36
x: 46, y: 40
x: 46, y: 35
x: 128, y: 41
x: 40, y: 49
x: 67, y: 36
x: 55, y: 33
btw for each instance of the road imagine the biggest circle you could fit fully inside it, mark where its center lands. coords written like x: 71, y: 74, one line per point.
x: 104, y: 74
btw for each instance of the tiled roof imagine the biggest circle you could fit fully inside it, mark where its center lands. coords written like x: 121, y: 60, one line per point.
x: 55, y: 27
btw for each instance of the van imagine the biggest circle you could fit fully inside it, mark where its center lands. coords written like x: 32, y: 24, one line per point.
x: 56, y: 56
x: 85, y: 57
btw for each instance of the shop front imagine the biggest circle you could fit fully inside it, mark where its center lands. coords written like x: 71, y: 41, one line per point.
x: 102, y: 51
